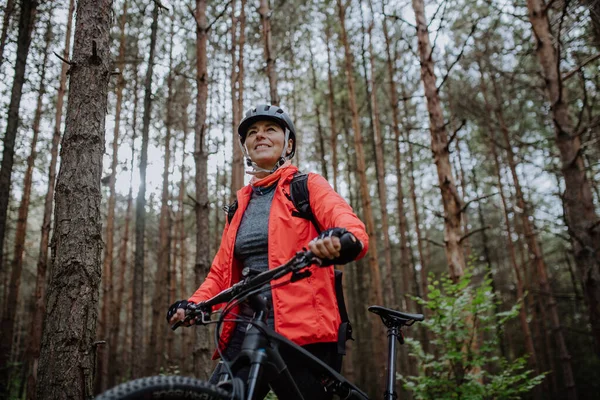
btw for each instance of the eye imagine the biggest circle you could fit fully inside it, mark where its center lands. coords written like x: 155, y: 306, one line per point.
x: 271, y: 129
x: 250, y: 133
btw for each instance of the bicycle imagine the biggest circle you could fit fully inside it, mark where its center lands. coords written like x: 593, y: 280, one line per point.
x: 260, y: 348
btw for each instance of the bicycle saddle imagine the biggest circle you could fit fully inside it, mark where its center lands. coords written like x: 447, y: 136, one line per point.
x: 395, y: 318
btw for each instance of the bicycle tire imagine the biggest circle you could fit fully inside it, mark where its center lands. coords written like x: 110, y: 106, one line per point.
x: 165, y: 388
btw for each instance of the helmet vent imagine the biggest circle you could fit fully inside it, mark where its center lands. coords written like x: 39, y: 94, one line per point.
x: 267, y: 108
x: 279, y: 111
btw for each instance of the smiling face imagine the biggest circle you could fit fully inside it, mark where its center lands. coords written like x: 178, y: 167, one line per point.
x: 264, y: 143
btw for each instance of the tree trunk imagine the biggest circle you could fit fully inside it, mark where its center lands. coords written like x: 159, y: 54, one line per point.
x: 581, y: 218
x: 26, y: 23
x: 202, y: 355
x: 8, y: 316
x: 107, y: 270
x: 265, y: 19
x: 156, y: 357
x: 138, y: 324
x: 376, y: 295
x: 509, y: 241
x: 9, y: 8
x: 42, y: 264
x: 237, y: 85
x: 375, y: 291
x: 402, y: 223
x: 451, y: 200
x: 317, y: 106
x: 331, y: 104
x: 67, y: 355
x: 391, y: 277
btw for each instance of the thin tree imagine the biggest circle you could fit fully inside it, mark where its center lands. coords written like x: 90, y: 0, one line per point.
x: 331, y: 107
x: 265, y: 19
x: 107, y: 270
x: 8, y: 317
x: 137, y: 323
x: 157, y: 335
x: 581, y: 218
x: 42, y: 263
x: 202, y: 365
x: 320, y: 135
x: 452, y: 202
x: 67, y: 355
x: 26, y: 23
x: 237, y: 94
x: 9, y: 8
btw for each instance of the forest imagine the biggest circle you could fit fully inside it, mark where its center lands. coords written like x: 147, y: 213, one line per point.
x: 464, y: 133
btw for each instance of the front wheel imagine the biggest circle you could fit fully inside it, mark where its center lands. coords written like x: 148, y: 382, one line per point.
x: 165, y: 387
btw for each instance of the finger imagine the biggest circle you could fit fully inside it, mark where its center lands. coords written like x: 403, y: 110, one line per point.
x: 331, y: 250
x: 321, y: 249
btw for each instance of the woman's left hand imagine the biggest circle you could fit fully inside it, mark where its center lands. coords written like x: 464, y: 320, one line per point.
x: 325, y: 248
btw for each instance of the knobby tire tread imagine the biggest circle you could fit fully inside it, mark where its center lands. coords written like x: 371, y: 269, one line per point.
x: 167, y: 388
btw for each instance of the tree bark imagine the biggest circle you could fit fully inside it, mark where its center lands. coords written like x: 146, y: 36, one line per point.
x: 107, y: 270
x: 66, y: 359
x: 202, y: 356
x: 9, y: 8
x: 159, y: 329
x: 26, y: 24
x: 138, y: 324
x: 265, y: 19
x: 42, y: 263
x: 451, y: 200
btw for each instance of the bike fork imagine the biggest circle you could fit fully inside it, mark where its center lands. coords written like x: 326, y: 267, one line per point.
x: 393, y: 333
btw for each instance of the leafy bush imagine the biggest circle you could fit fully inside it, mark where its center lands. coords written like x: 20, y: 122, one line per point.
x: 463, y: 322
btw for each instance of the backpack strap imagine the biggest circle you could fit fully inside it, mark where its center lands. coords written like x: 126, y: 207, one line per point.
x: 300, y: 196
x: 230, y: 210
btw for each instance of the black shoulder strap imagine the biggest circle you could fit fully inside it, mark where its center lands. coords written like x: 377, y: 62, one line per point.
x: 230, y: 210
x: 301, y: 198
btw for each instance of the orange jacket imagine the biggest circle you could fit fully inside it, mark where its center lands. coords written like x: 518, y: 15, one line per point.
x: 305, y: 311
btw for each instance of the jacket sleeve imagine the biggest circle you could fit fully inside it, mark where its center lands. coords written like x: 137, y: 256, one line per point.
x: 332, y: 211
x: 217, y: 278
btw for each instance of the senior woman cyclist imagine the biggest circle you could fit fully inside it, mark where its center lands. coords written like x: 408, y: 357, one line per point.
x: 264, y: 233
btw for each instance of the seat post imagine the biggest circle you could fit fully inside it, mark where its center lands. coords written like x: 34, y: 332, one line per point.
x: 390, y: 392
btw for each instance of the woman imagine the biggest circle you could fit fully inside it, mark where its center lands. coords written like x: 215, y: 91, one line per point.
x: 263, y: 234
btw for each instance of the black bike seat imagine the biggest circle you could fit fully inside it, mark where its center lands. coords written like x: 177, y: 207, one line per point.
x: 395, y: 317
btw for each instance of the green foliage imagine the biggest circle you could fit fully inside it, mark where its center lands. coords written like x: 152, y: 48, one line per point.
x: 467, y: 365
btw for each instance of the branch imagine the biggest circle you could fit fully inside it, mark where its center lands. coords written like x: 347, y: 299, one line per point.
x: 433, y: 242
x: 198, y: 26
x: 583, y: 64
x: 464, y: 237
x: 416, y: 144
x: 160, y: 5
x: 397, y: 18
x: 462, y: 123
x: 63, y: 60
x: 474, y: 200
x: 218, y: 16
x: 193, y: 199
x: 462, y: 50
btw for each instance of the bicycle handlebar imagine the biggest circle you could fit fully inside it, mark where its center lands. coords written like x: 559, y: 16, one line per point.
x: 301, y: 260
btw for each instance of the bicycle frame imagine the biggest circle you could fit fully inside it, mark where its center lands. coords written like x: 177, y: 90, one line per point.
x: 260, y: 351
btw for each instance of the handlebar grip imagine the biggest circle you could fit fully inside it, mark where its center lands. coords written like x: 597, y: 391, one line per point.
x: 176, y: 325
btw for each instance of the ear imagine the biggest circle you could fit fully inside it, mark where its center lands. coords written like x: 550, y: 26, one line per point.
x: 290, y: 146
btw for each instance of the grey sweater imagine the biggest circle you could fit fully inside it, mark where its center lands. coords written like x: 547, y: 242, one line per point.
x: 252, y: 240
